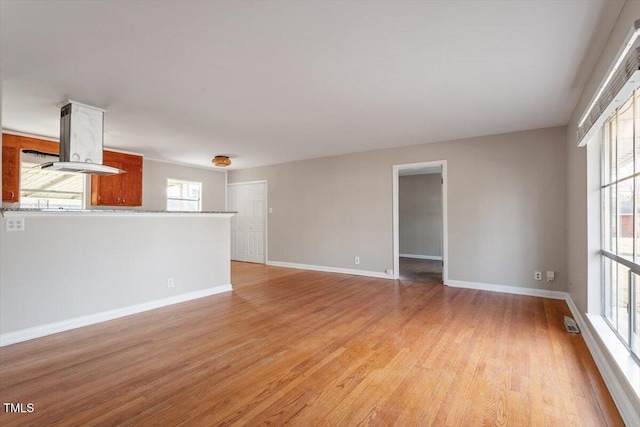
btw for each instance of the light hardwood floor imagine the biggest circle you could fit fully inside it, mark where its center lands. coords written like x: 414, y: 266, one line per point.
x: 293, y: 347
x: 421, y: 270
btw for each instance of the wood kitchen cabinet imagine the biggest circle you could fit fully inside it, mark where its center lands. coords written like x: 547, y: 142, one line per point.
x: 10, y: 168
x: 11, y: 147
x: 122, y: 189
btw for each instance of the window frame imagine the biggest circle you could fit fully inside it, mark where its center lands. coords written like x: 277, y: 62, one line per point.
x: 30, y: 163
x: 612, y: 230
x: 183, y: 199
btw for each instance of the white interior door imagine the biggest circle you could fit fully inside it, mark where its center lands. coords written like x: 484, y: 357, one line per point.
x: 248, y: 227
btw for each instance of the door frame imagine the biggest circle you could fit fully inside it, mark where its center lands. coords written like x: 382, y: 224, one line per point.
x: 266, y: 210
x: 396, y: 216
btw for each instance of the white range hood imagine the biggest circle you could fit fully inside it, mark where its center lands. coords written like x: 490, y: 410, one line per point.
x: 81, y: 141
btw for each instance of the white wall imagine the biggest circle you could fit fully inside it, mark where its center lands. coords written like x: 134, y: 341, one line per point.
x: 506, y: 207
x: 420, y: 212
x: 64, y: 266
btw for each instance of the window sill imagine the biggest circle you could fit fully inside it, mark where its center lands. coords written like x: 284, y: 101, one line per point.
x: 626, y: 364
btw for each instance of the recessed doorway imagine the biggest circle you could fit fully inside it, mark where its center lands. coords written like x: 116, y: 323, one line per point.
x: 420, y: 245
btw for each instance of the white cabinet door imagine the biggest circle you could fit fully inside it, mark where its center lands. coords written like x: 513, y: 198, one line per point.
x: 248, y: 227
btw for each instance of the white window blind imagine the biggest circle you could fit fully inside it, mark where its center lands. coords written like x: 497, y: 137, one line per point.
x: 617, y: 87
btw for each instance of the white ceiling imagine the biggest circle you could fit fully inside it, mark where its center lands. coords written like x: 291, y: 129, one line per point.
x: 269, y: 82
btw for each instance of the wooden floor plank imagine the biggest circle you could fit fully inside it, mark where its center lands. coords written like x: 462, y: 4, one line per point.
x: 294, y: 347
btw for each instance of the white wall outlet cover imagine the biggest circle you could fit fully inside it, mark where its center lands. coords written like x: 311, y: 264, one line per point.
x: 537, y: 275
x: 14, y: 224
x: 389, y: 271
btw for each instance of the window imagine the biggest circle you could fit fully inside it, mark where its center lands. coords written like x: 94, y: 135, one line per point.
x: 184, y: 195
x: 45, y: 189
x: 621, y: 222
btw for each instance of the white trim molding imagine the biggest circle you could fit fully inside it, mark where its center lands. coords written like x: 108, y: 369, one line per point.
x: 330, y: 269
x: 623, y: 402
x: 396, y: 213
x: 91, y: 319
x: 433, y: 257
x: 544, y: 293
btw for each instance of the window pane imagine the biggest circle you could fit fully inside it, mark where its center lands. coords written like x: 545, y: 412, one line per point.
x: 636, y: 314
x: 189, y: 205
x: 173, y: 190
x: 622, y: 301
x: 636, y: 108
x: 607, y: 177
x: 625, y: 219
x: 607, y: 292
x: 608, y: 229
x: 612, y: 148
x: 636, y: 231
x: 624, y: 141
x: 46, y: 189
x: 183, y: 195
x: 612, y: 208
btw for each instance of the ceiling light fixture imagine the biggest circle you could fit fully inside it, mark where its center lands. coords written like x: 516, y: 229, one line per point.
x: 221, y: 161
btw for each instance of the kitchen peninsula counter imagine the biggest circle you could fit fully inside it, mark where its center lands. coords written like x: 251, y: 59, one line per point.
x: 7, y: 212
x: 62, y: 269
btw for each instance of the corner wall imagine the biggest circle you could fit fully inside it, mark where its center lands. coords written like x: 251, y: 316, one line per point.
x: 506, y: 207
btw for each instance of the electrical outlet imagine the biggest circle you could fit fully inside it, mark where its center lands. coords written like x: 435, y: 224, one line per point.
x: 538, y: 275
x: 389, y: 272
x: 357, y: 260
x: 170, y: 282
x: 14, y: 224
x: 551, y: 276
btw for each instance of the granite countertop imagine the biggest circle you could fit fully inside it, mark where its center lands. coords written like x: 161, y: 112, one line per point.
x: 4, y: 211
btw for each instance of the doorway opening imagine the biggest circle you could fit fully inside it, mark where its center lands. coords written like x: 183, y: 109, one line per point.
x: 420, y: 225
x: 249, y: 225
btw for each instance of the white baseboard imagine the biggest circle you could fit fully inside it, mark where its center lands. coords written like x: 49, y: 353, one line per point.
x: 544, y: 293
x: 621, y: 399
x: 330, y: 269
x: 433, y: 257
x: 78, y: 322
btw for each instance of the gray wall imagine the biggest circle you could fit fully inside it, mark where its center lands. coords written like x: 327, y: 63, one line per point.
x: 154, y: 190
x: 63, y: 266
x: 506, y: 207
x: 420, y: 212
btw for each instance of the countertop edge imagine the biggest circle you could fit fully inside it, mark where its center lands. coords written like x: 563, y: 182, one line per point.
x: 111, y: 213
